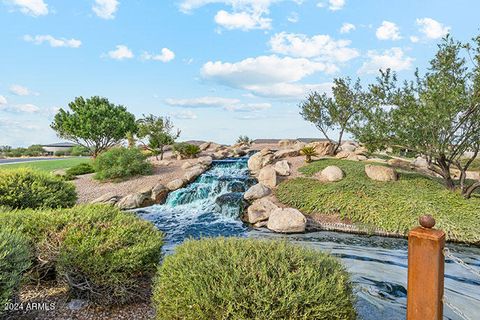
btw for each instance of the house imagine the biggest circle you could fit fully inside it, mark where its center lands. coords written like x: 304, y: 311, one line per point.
x: 50, y: 149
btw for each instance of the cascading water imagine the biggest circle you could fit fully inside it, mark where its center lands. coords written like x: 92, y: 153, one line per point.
x: 211, y: 206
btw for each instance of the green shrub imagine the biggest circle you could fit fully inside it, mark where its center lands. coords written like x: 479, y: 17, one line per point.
x: 80, y: 151
x: 114, y: 252
x: 388, y: 206
x: 79, y: 169
x: 232, y: 278
x: 186, y: 150
x: 14, y: 260
x: 309, y: 152
x: 26, y: 188
x: 62, y: 153
x: 119, y: 163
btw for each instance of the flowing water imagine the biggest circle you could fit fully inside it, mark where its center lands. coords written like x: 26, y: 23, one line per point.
x: 211, y: 206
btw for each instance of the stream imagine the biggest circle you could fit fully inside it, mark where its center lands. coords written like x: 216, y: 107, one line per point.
x: 211, y: 206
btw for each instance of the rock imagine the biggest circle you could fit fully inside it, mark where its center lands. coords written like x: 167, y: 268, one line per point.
x: 268, y: 177
x: 204, y: 146
x: 380, y: 173
x: 260, y: 210
x: 287, y: 220
x: 356, y: 157
x: 230, y: 203
x: 348, y: 147
x: 323, y: 148
x: 256, y: 192
x: 164, y: 163
x: 133, y: 201
x: 187, y: 165
x: 236, y: 186
x: 159, y: 194
x: 109, y: 198
x: 286, y: 143
x: 282, y: 168
x: 331, y: 174
x: 420, y: 162
x: 77, y: 304
x: 261, y: 224
x: 260, y: 160
x: 205, y: 161
x: 361, y: 151
x: 298, y: 145
x: 343, y: 155
x: 193, y: 173
x: 286, y: 153
x: 399, y: 163
x: 175, y: 184
x: 239, y: 152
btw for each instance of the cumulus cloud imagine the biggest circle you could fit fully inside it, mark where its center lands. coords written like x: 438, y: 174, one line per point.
x: 52, y: 41
x: 414, y: 39
x: 393, y: 58
x: 105, y: 9
x: 33, y: 8
x: 321, y: 47
x: 242, y: 20
x: 20, y: 108
x: 165, y: 56
x: 19, y: 90
x: 388, y: 31
x: 347, y: 28
x: 120, y: 53
x: 288, y: 90
x: 227, y: 104
x: 293, y: 17
x: 431, y: 28
x: 3, y: 100
x: 335, y: 5
x: 184, y: 115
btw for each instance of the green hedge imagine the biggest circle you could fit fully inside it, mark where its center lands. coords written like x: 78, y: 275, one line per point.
x: 229, y: 278
x: 390, y: 206
x: 14, y: 260
x: 78, y: 170
x: 115, y: 252
x: 120, y: 163
x: 26, y: 188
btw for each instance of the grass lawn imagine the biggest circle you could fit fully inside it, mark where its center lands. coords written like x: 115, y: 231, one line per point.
x: 389, y: 206
x: 47, y: 165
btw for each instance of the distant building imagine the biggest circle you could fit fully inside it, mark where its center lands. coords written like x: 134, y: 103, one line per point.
x: 50, y: 149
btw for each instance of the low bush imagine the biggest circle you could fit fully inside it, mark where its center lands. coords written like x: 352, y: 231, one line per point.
x: 62, y: 153
x: 14, y: 261
x: 120, y: 163
x: 388, y: 206
x: 80, y: 151
x: 229, y: 278
x: 186, y: 150
x: 26, y: 188
x: 78, y: 170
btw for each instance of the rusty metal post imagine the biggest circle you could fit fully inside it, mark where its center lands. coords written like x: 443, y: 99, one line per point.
x: 426, y: 262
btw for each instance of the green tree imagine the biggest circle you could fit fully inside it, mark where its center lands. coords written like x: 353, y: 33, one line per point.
x: 437, y: 115
x: 94, y: 123
x: 334, y: 113
x: 34, y: 150
x: 158, y: 133
x: 244, y: 140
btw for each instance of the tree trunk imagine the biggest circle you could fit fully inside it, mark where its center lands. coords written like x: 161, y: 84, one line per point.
x: 445, y: 173
x: 340, y: 136
x: 468, y: 192
x: 161, y: 153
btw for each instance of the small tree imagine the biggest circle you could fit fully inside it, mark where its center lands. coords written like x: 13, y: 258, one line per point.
x: 94, y: 123
x: 158, y: 132
x: 337, y: 113
x: 244, y: 140
x: 437, y: 115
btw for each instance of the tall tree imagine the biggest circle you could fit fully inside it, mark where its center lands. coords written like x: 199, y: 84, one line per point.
x: 334, y: 113
x: 158, y: 132
x: 437, y: 115
x: 94, y: 123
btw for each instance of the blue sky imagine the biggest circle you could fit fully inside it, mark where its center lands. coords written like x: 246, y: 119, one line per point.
x: 218, y: 68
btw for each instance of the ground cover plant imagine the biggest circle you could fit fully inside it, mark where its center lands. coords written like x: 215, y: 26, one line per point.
x: 231, y: 278
x: 46, y: 165
x: 26, y: 188
x: 78, y: 170
x: 390, y: 206
x: 121, y: 163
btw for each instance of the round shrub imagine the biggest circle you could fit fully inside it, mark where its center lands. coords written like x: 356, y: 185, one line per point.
x: 120, y: 163
x: 78, y: 170
x: 108, y: 256
x: 14, y: 260
x: 25, y: 188
x: 186, y: 150
x: 228, y: 278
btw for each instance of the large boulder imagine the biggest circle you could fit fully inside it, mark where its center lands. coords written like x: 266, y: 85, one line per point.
x: 285, y: 143
x: 282, y: 168
x: 268, y: 177
x: 344, y: 154
x: 256, y: 192
x: 204, y: 146
x: 287, y: 220
x: 381, y: 173
x: 109, y: 198
x: 331, y: 174
x: 193, y: 173
x: 399, y: 163
x: 175, y: 184
x: 286, y: 153
x: 420, y: 162
x: 356, y: 157
x: 260, y: 160
x: 323, y: 148
x: 164, y: 163
x: 187, y: 165
x: 160, y: 193
x: 260, y: 210
x: 133, y: 201
x: 205, y: 161
x: 348, y: 147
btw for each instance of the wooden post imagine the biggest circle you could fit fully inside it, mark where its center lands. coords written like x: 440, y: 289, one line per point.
x: 426, y: 262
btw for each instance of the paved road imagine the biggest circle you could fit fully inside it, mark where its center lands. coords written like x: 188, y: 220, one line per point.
x: 18, y: 160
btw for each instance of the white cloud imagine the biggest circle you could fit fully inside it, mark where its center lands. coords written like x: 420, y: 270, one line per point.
x: 19, y: 90
x: 166, y: 55
x: 320, y: 5
x: 3, y: 100
x: 54, y: 42
x: 21, y: 108
x: 321, y: 47
x: 30, y: 7
x: 431, y: 28
x: 105, y: 9
x: 242, y: 20
x: 393, y: 58
x: 347, y: 27
x: 288, y: 90
x: 293, y: 17
x: 202, y: 102
x: 388, y: 31
x: 248, y: 107
x: 414, y: 39
x: 184, y: 115
x: 335, y: 5
x: 120, y: 53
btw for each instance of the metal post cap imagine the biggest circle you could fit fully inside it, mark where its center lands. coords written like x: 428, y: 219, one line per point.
x: 427, y: 221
